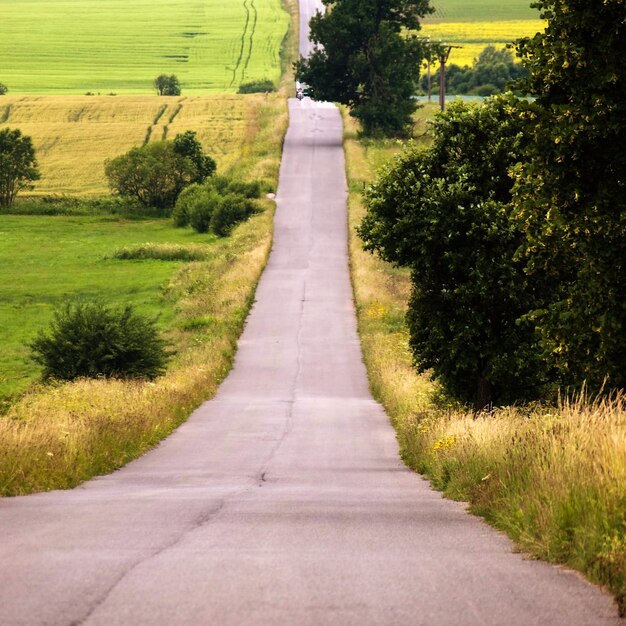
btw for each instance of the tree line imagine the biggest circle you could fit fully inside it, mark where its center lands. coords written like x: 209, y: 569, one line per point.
x: 513, y: 222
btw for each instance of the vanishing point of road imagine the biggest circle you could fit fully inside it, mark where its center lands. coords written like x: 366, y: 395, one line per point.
x: 282, y: 501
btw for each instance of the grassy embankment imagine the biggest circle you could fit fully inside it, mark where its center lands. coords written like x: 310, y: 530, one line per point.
x: 477, y: 24
x: 56, y: 437
x: 103, y: 46
x: 553, y: 478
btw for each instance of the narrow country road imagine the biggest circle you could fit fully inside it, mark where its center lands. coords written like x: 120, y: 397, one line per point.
x: 282, y: 501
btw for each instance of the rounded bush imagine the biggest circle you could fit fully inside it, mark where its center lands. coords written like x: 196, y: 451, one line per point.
x: 229, y: 212
x: 92, y: 340
x: 251, y: 189
x: 184, y: 204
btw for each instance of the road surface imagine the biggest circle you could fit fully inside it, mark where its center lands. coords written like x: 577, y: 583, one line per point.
x: 283, y: 500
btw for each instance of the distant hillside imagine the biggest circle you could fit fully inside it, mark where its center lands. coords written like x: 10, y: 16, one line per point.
x: 473, y: 24
x: 102, y: 46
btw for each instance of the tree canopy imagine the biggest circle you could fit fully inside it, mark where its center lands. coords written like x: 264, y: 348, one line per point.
x: 445, y: 213
x: 167, y: 85
x: 492, y: 72
x: 570, y: 193
x: 156, y: 173
x: 18, y: 165
x: 367, y: 56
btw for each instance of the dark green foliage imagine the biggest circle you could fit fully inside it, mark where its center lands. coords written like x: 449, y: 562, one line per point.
x: 248, y: 189
x: 184, y: 205
x: 167, y: 85
x: 3, y: 89
x: 156, y: 174
x: 367, y: 57
x: 571, y: 189
x: 230, y: 211
x: 445, y: 213
x: 18, y: 165
x: 92, y: 340
x: 217, y: 205
x: 187, y: 145
x: 202, y: 206
x: 491, y: 73
x: 257, y: 86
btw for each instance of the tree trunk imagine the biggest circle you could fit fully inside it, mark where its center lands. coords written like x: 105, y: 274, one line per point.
x: 483, y: 400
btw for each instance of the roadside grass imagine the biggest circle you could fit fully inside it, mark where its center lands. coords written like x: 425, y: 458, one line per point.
x: 553, y: 478
x: 56, y: 437
x: 56, y: 47
x: 74, y: 135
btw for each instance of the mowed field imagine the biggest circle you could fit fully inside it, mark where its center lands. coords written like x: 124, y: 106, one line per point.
x: 474, y: 24
x: 74, y: 135
x: 104, y: 46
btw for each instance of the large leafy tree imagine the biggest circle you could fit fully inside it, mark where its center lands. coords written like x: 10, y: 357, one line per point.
x: 156, y: 173
x: 445, y: 213
x: 18, y: 165
x: 571, y: 188
x: 188, y: 145
x: 367, y: 56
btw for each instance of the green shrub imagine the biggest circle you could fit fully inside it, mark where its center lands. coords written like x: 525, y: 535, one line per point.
x: 201, y: 209
x: 155, y: 174
x: 230, y: 211
x: 184, y: 203
x: 92, y: 340
x: 249, y: 189
x: 257, y: 86
x: 160, y: 252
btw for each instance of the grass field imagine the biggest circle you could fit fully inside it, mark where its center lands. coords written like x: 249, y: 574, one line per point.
x: 49, y: 259
x: 73, y: 135
x: 475, y: 24
x: 76, y: 46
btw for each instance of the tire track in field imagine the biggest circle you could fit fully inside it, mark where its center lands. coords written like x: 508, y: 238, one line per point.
x: 243, y: 42
x: 176, y: 111
x: 254, y: 21
x: 155, y: 121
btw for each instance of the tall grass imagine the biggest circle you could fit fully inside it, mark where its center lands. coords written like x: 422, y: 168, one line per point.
x: 553, y: 478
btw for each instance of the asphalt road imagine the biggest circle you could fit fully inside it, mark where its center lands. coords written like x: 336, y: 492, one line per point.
x: 283, y: 500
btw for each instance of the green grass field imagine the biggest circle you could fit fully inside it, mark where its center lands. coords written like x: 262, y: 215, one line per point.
x: 79, y: 46
x: 474, y: 24
x: 482, y: 10
x: 49, y: 259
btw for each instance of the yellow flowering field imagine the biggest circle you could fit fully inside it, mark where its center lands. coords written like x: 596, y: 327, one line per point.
x: 474, y: 36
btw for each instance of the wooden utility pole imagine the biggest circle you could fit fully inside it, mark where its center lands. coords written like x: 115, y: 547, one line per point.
x: 444, y: 55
